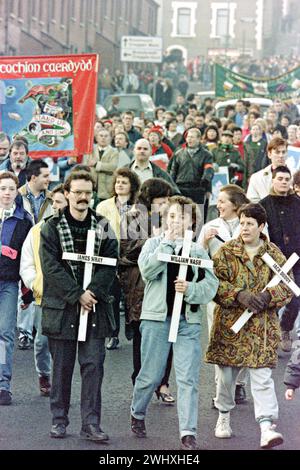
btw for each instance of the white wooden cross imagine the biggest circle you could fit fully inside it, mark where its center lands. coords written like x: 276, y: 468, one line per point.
x: 89, y: 259
x: 281, y: 275
x: 184, y: 260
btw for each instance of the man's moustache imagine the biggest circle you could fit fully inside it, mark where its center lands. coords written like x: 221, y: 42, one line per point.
x: 83, y: 200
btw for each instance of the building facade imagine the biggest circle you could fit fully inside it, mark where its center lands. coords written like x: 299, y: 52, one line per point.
x: 215, y: 27
x: 41, y: 27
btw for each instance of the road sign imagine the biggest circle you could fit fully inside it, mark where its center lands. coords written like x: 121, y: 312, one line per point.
x: 141, y: 49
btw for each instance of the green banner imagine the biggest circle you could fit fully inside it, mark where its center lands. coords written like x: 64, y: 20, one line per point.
x: 234, y: 85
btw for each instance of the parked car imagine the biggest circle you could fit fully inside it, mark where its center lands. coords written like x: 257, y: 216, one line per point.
x: 142, y: 105
x: 264, y: 104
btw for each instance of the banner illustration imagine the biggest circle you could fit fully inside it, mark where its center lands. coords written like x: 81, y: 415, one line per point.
x: 51, y: 102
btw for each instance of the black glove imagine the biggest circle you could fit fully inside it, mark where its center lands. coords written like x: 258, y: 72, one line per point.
x: 204, y: 185
x: 265, y: 297
x: 234, y: 166
x: 250, y: 301
x: 27, y: 296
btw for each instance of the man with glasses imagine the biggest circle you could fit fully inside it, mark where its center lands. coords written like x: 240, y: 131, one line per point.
x: 64, y: 296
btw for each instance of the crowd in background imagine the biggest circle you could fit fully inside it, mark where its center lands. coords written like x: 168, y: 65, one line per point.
x: 173, y: 77
x: 170, y: 160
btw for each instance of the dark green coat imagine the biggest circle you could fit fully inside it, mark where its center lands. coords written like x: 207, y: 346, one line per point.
x: 224, y: 156
x: 60, y: 303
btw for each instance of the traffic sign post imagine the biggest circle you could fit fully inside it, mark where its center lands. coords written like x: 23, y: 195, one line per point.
x: 141, y: 49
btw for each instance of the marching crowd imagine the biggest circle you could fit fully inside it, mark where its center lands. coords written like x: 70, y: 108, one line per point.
x: 143, y: 186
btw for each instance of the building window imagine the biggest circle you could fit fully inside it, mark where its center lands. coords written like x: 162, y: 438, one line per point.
x: 104, y: 7
x: 41, y: 12
x: 34, y: 9
x: 184, y: 19
x: 128, y: 10
x: 73, y: 9
x: 222, y: 24
x: 90, y: 9
x: 223, y: 20
x: 112, y: 10
x: 96, y: 12
x: 82, y: 13
x: 20, y: 9
x: 12, y: 7
x: 139, y: 15
x: 62, y: 12
x: 52, y: 10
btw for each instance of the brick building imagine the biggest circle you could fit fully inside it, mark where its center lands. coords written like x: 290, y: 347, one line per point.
x: 32, y: 27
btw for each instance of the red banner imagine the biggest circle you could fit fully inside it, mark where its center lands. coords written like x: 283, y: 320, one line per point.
x: 51, y: 101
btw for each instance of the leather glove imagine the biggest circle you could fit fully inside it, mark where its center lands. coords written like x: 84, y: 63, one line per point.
x: 234, y: 166
x: 265, y: 297
x: 204, y: 185
x: 27, y: 296
x: 250, y: 301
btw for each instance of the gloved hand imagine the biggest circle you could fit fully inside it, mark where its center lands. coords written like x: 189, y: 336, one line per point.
x: 265, y: 297
x: 234, y: 166
x: 27, y: 296
x: 250, y: 301
x: 204, y: 185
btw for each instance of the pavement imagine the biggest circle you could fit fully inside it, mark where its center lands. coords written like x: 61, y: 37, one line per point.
x: 26, y: 423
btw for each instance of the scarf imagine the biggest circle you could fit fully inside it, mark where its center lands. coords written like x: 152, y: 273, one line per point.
x: 67, y: 243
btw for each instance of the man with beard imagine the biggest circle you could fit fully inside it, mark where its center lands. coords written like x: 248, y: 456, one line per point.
x: 17, y: 161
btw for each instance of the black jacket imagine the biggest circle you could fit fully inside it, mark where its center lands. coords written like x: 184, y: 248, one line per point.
x: 283, y: 217
x: 61, y: 295
x: 192, y: 172
x: 134, y: 135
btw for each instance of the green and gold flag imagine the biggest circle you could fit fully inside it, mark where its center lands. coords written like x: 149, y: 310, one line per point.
x: 229, y: 84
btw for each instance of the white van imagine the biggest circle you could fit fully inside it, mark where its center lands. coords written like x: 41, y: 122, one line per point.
x: 264, y: 104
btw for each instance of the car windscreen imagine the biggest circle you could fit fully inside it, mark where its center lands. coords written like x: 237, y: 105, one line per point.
x: 147, y: 102
x: 126, y: 103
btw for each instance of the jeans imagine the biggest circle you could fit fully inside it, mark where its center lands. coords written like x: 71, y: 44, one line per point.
x: 8, y: 319
x: 155, y: 349
x: 136, y: 356
x: 42, y: 357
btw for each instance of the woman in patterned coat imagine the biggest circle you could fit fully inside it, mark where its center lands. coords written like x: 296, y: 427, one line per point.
x: 243, y: 275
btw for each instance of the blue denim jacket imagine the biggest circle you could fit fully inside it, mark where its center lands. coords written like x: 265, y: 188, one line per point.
x: 154, y: 273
